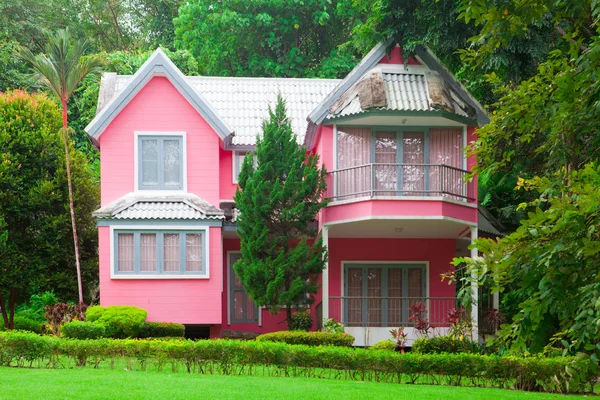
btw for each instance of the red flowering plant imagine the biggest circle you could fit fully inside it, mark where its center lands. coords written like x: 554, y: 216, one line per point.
x: 460, y: 325
x: 419, y: 318
x: 400, y: 337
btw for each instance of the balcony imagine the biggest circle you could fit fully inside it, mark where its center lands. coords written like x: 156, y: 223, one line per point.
x: 387, y: 180
x: 392, y: 312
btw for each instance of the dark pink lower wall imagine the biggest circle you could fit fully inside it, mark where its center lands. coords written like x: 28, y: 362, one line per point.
x: 270, y: 323
x: 438, y: 252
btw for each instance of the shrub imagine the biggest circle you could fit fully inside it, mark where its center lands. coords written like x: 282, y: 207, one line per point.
x: 60, y: 313
x: 24, y: 324
x: 383, y: 345
x: 446, y: 344
x: 120, y: 322
x: 308, y: 338
x: 301, y: 321
x: 331, y: 325
x: 36, y: 306
x: 161, y: 330
x: 82, y: 330
x: 235, y: 357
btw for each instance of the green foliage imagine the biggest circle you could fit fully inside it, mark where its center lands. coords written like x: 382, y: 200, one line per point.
x: 552, y: 262
x: 24, y: 324
x: 36, y: 307
x: 331, y: 325
x: 38, y: 254
x: 446, y: 344
x: 120, y: 321
x: 82, y: 330
x: 161, y: 329
x: 384, y: 344
x: 278, y: 202
x: 268, y: 38
x: 308, y: 338
x: 301, y: 321
x: 231, y: 357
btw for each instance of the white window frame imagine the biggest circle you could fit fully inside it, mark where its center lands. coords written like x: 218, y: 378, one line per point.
x: 136, y: 158
x: 204, y: 230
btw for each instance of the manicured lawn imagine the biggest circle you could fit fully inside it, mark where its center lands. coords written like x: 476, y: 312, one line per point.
x: 105, y: 384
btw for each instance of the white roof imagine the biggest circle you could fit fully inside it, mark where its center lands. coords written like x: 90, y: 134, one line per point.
x: 243, y: 103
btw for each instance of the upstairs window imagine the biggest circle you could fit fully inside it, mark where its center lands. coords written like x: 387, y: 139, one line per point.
x: 238, y: 160
x: 160, y: 161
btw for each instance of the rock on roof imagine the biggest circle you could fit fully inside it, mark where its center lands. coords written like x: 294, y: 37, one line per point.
x: 140, y: 205
x: 243, y: 103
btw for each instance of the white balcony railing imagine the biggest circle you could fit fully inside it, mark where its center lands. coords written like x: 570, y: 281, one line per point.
x: 385, y: 180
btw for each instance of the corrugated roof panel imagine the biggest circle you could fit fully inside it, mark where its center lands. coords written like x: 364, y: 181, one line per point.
x: 160, y: 210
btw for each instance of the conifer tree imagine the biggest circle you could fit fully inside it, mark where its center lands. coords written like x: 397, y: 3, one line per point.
x: 278, y: 200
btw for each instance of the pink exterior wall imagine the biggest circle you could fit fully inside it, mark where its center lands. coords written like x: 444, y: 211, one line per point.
x: 400, y: 207
x: 159, y: 107
x: 396, y: 58
x: 186, y: 301
x: 227, y: 187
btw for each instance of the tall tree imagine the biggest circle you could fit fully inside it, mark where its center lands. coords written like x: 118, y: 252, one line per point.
x: 36, y: 245
x: 268, y: 38
x: 61, y: 72
x: 278, y: 201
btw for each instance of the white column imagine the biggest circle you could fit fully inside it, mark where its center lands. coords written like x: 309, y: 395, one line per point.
x: 496, y: 300
x: 475, y: 292
x: 325, y: 276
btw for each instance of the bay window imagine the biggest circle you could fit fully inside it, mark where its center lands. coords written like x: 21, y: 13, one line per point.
x: 163, y: 253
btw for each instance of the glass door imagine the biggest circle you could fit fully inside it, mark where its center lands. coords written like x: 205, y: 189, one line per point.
x: 241, y: 306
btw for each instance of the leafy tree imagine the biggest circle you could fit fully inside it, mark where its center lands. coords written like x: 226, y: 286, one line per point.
x: 268, y: 38
x: 61, y: 72
x: 36, y: 244
x: 552, y: 262
x: 278, y: 201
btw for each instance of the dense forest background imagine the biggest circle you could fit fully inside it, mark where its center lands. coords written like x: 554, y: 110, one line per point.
x: 533, y: 64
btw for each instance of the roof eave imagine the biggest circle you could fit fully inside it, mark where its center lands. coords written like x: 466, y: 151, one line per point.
x: 158, y: 64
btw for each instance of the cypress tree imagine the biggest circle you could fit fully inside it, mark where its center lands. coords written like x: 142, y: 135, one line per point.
x: 278, y: 200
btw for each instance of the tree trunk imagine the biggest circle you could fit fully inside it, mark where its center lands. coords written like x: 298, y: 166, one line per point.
x: 3, y: 310
x: 9, y: 317
x: 71, y: 202
x: 288, y: 316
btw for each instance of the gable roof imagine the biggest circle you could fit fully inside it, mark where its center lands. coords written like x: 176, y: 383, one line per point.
x: 158, y: 64
x: 243, y: 103
x: 140, y: 205
x: 387, y: 87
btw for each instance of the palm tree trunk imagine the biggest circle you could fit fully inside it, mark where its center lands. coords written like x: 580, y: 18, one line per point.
x: 71, y: 202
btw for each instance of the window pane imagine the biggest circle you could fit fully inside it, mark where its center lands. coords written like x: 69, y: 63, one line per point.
x: 414, y: 153
x: 394, y: 294
x: 172, y: 163
x: 374, y: 293
x: 385, y: 154
x: 193, y: 246
x: 148, y: 252
x: 125, y: 252
x: 149, y: 162
x: 354, y: 150
x: 354, y: 290
x: 171, y: 250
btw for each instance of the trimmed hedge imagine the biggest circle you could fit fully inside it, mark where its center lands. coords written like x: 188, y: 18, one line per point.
x: 82, y: 330
x: 161, y: 329
x: 308, y: 338
x: 447, y: 344
x: 120, y: 322
x: 24, y: 324
x: 231, y: 357
x: 384, y: 344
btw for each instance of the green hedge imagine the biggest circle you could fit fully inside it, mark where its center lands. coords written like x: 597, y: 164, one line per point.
x: 24, y: 324
x: 308, y: 338
x: 446, y: 344
x: 161, y: 330
x: 120, y: 322
x: 384, y: 344
x: 82, y: 330
x: 252, y: 357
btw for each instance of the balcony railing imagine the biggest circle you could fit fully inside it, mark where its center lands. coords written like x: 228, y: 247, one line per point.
x: 385, y: 179
x: 389, y: 311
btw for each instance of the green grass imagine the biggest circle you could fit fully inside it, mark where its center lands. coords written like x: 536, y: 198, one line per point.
x: 87, y: 383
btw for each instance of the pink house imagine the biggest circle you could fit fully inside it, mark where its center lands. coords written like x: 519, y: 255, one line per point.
x: 392, y: 136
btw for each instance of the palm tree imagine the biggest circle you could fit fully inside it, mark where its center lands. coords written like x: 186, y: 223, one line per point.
x: 61, y: 70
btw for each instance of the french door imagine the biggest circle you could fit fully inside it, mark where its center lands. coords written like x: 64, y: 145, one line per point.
x: 380, y: 295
